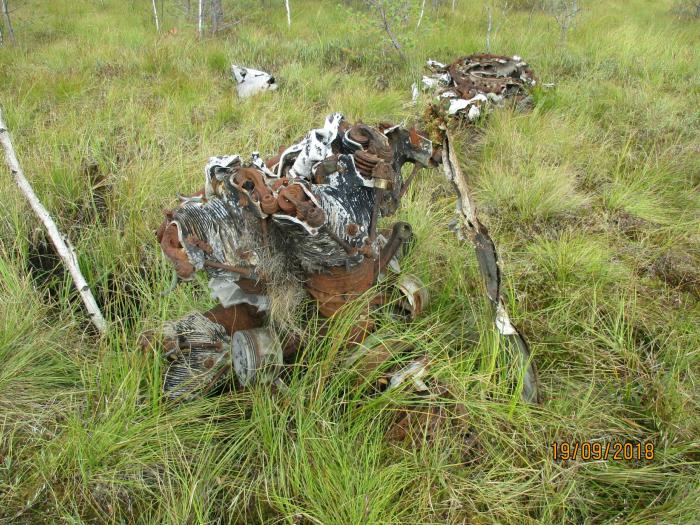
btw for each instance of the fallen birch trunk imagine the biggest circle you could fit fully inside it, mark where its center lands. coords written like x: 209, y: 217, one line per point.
x: 61, y: 243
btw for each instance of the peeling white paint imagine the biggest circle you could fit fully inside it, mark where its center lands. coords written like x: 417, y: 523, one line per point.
x: 250, y: 81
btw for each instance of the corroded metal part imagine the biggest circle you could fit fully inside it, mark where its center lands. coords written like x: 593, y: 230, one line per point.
x: 401, y: 233
x: 476, y: 82
x: 199, y: 360
x: 414, y: 293
x: 309, y: 214
x: 486, y: 73
x: 470, y: 228
x: 257, y: 356
x: 238, y: 317
x: 170, y: 244
x: 336, y: 287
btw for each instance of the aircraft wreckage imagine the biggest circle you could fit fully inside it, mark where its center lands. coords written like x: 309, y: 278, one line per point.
x: 307, y: 221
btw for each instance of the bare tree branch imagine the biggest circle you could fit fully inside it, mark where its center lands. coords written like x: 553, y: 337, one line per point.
x: 565, y: 12
x: 62, y: 244
x: 379, y: 6
x: 289, y: 13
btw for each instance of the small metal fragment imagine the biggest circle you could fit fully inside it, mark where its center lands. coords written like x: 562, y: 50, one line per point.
x: 415, y: 294
x: 257, y: 356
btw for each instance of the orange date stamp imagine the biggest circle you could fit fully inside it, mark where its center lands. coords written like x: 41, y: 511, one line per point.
x: 597, y: 450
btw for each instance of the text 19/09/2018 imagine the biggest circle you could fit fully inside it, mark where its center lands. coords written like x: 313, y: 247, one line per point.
x: 597, y: 450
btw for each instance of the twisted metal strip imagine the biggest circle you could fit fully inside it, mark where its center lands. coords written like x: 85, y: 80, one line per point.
x: 471, y: 228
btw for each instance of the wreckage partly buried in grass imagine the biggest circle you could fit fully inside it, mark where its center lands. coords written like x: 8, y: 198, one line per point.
x: 308, y: 220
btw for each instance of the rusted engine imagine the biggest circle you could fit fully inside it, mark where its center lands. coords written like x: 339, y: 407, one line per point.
x: 474, y: 83
x: 309, y: 216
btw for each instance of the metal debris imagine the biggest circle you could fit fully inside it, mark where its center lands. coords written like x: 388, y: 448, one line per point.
x: 471, y: 229
x: 472, y: 84
x: 250, y: 81
x: 257, y: 355
x: 198, y: 360
x: 308, y: 216
x: 414, y: 294
x: 464, y: 91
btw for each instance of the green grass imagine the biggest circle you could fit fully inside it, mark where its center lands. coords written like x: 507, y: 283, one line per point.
x: 592, y: 198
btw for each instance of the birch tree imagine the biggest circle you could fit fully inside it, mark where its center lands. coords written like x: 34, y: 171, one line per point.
x: 217, y: 15
x: 289, y: 13
x: 492, y: 26
x: 155, y: 15
x: 389, y: 12
x: 8, y: 23
x: 420, y: 18
x: 564, y: 12
x: 200, y: 19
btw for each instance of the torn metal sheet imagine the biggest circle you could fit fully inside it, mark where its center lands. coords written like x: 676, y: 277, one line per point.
x: 472, y: 84
x: 414, y: 293
x: 250, y: 81
x: 465, y: 90
x: 470, y: 228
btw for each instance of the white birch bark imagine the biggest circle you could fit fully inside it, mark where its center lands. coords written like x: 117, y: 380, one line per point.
x: 489, y: 28
x: 61, y: 243
x: 289, y: 13
x: 200, y: 19
x: 155, y: 15
x: 420, y: 18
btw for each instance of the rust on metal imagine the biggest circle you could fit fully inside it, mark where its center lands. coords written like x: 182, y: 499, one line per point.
x: 338, y: 286
x: 308, y: 214
x: 473, y: 84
